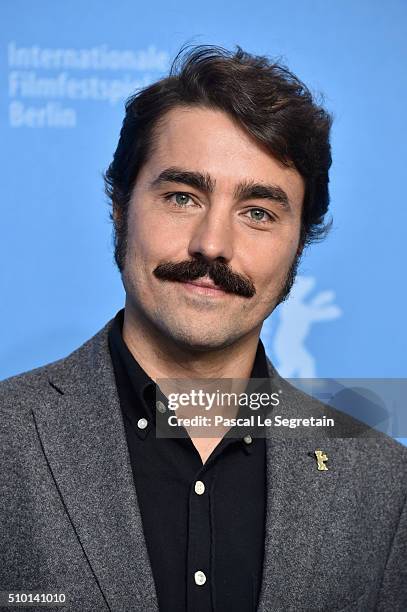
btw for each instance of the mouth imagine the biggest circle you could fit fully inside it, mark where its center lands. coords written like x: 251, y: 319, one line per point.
x: 203, y: 286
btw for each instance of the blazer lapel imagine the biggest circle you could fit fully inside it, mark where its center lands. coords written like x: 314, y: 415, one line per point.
x: 83, y: 439
x: 299, y: 516
x: 299, y: 497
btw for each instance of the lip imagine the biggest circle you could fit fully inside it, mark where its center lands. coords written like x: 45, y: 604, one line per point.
x: 203, y: 282
x: 203, y: 287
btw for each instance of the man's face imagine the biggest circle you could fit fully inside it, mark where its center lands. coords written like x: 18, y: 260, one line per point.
x: 212, y: 205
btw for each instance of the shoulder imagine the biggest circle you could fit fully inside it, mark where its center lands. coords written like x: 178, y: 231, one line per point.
x: 18, y: 393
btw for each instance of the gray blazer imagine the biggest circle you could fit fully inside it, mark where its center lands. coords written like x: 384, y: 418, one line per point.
x: 335, y: 540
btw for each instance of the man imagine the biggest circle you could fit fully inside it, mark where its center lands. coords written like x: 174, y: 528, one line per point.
x: 219, y: 180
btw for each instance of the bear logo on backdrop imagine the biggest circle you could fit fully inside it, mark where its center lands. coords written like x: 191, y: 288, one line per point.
x: 297, y: 315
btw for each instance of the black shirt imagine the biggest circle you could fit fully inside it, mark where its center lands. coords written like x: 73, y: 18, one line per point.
x: 203, y: 523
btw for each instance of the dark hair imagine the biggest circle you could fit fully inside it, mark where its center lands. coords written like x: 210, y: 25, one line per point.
x: 268, y: 100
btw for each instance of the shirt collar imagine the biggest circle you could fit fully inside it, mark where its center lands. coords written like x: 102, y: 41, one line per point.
x: 135, y: 388
x: 137, y: 391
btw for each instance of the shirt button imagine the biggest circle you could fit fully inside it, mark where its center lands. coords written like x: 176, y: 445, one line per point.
x: 142, y: 423
x: 200, y: 578
x: 199, y: 487
x: 160, y: 407
x: 248, y: 439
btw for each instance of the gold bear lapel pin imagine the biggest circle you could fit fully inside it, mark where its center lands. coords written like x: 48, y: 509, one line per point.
x: 321, y: 458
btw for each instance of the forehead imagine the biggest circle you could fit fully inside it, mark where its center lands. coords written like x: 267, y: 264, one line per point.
x: 212, y: 142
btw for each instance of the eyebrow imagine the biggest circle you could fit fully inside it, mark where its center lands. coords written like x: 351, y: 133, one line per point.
x: 200, y: 181
x: 247, y: 190
x: 250, y: 190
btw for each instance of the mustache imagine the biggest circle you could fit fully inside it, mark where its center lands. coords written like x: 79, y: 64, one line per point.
x: 219, y: 272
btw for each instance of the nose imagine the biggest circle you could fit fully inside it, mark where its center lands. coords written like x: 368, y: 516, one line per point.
x: 212, y: 238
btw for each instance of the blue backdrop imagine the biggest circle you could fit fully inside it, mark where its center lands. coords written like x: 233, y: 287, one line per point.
x: 66, y: 70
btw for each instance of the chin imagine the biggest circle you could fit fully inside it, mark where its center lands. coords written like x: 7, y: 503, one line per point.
x: 201, y: 340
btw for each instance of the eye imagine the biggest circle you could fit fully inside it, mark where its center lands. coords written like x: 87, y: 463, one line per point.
x: 179, y: 198
x: 260, y: 216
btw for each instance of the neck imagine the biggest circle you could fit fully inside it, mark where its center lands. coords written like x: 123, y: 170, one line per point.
x: 160, y: 357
